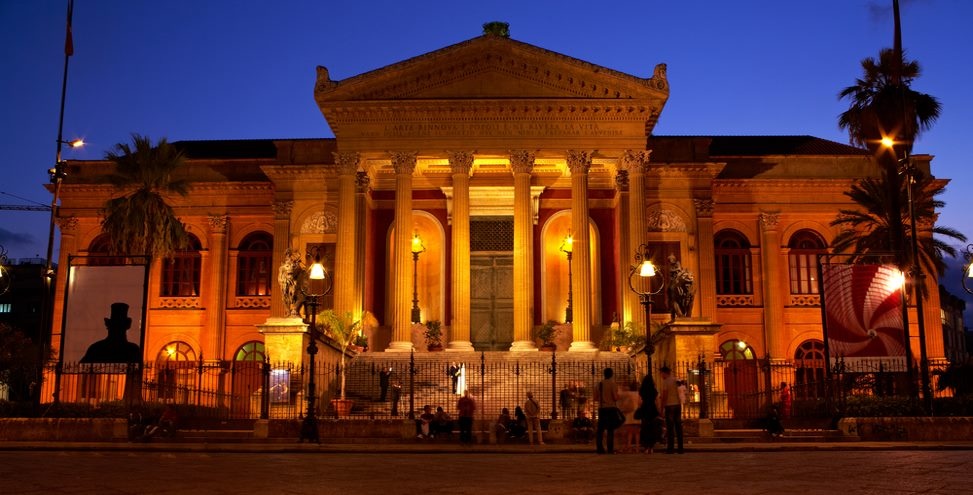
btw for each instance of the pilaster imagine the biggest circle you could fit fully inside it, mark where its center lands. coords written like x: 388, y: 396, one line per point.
x: 773, y: 293
x: 214, y: 333
x: 707, y: 257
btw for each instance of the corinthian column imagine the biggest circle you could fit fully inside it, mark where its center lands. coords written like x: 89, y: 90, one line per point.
x: 344, y: 263
x: 404, y: 164
x: 459, y: 335
x: 773, y: 293
x: 522, y: 163
x: 282, y: 241
x: 636, y: 162
x: 214, y: 295
x: 579, y: 162
x: 361, y: 187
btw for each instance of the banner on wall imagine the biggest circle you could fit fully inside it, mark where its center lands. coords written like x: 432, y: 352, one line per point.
x: 104, y: 312
x: 863, y: 323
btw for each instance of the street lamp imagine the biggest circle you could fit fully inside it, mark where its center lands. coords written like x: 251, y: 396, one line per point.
x: 317, y: 284
x: 907, y: 168
x: 646, y: 271
x: 567, y: 246
x: 417, y: 248
x: 968, y: 269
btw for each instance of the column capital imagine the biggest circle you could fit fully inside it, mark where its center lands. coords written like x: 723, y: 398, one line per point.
x: 621, y: 180
x: 404, y: 162
x: 521, y: 161
x: 461, y: 162
x: 361, y: 182
x: 218, y: 223
x: 704, y: 207
x: 68, y: 224
x: 579, y: 162
x: 346, y: 162
x: 636, y: 160
x: 282, y: 209
x: 769, y: 219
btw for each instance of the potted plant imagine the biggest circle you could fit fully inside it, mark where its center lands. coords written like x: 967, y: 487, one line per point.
x: 434, y: 335
x: 344, y: 331
x: 547, y: 333
x: 623, y: 339
x: 361, y: 342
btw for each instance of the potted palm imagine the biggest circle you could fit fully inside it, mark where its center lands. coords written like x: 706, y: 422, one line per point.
x: 344, y: 331
x: 547, y: 333
x: 434, y: 335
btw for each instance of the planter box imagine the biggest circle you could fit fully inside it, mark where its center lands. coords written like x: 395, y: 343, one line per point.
x: 913, y: 429
x: 63, y: 429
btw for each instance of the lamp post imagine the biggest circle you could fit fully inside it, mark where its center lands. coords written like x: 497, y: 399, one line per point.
x: 908, y: 169
x: 318, y: 284
x: 417, y: 248
x: 646, y: 271
x: 567, y: 246
x: 968, y: 269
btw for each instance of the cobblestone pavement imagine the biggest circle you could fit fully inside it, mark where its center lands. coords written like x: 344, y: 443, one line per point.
x: 472, y: 472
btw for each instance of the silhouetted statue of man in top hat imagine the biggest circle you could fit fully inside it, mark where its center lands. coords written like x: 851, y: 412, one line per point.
x: 115, y: 348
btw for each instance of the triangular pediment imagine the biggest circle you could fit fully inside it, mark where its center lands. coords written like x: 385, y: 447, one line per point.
x: 491, y: 67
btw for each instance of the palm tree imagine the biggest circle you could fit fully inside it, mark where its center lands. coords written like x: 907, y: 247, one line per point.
x: 866, y: 229
x: 883, y: 105
x: 142, y: 222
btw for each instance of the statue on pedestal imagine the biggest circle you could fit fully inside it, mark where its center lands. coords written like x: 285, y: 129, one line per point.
x: 682, y: 289
x: 289, y: 276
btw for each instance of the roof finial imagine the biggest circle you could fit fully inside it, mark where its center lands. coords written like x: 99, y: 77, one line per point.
x: 497, y: 28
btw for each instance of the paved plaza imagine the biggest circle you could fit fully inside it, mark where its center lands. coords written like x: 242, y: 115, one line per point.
x: 473, y: 471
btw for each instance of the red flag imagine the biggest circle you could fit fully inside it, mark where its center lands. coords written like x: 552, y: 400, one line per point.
x: 69, y: 40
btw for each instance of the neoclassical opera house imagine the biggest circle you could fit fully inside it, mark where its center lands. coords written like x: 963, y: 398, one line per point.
x: 492, y: 152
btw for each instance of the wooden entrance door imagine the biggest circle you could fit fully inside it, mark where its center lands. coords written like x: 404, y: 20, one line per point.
x: 491, y: 301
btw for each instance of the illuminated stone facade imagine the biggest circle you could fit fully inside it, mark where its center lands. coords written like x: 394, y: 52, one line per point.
x: 493, y: 151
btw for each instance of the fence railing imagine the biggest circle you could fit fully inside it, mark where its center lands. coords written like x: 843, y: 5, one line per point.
x: 741, y: 389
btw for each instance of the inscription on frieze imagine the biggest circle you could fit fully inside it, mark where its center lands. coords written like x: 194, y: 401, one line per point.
x: 492, y: 129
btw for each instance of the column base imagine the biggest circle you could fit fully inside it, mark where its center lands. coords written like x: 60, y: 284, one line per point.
x: 400, y: 346
x: 459, y: 346
x: 523, y: 346
x: 583, y: 346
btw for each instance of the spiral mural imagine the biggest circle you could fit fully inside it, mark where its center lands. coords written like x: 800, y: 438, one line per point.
x: 863, y: 311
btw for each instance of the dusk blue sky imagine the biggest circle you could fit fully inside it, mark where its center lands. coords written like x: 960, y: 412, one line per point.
x: 245, y: 69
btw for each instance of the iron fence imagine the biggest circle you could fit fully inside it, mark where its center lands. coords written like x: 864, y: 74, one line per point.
x: 562, y: 384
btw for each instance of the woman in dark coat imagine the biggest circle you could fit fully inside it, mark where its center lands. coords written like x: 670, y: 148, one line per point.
x: 649, y: 432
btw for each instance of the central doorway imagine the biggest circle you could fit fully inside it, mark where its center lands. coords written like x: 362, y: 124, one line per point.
x: 491, y: 301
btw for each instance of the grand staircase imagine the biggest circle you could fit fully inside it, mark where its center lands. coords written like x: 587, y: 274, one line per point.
x: 494, y: 379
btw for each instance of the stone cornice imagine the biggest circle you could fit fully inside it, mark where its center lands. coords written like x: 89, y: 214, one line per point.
x: 310, y: 172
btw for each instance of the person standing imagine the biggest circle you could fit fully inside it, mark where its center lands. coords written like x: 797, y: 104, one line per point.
x: 785, y: 400
x: 383, y: 383
x: 467, y: 408
x: 649, y: 434
x: 609, y: 417
x: 673, y: 411
x: 533, y: 412
x: 396, y: 393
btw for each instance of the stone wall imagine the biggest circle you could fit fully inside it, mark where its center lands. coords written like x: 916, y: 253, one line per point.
x: 915, y: 429
x: 63, y: 429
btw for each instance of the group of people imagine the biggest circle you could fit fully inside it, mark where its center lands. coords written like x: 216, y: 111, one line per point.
x: 525, y: 421
x: 659, y: 413
x: 431, y: 424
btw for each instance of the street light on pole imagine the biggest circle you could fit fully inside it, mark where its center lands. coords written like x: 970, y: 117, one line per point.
x: 567, y: 247
x: 907, y: 167
x: 317, y: 284
x: 646, y: 272
x: 417, y: 248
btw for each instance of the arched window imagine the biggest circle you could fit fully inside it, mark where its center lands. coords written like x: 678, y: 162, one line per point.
x: 736, y: 350
x: 733, y: 268
x: 251, y: 351
x: 805, y: 246
x: 175, y: 364
x: 254, y: 273
x: 809, y: 370
x: 99, y: 249
x: 181, y: 272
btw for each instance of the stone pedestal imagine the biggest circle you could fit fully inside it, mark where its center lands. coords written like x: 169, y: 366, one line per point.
x: 686, y: 340
x: 285, y: 339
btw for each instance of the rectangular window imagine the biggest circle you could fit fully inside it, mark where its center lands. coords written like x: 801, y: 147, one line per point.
x: 4, y: 307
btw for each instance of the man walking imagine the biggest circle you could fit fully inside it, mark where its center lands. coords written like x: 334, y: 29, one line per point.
x: 466, y: 407
x: 673, y: 411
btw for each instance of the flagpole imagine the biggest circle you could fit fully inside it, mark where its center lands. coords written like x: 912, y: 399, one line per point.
x: 58, y: 173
